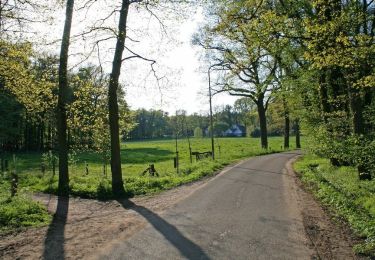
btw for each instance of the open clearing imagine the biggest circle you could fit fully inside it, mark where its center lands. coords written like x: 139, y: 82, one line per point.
x: 281, y: 215
x: 136, y: 157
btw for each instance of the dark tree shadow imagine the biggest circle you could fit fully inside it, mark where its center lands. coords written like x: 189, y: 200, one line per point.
x: 185, y: 246
x: 54, y: 241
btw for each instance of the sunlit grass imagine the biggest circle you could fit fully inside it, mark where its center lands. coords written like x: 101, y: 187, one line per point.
x: 341, y: 190
x: 21, y: 211
x: 136, y: 157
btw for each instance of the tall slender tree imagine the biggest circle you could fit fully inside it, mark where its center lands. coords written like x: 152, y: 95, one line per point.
x: 62, y: 101
x: 117, y: 181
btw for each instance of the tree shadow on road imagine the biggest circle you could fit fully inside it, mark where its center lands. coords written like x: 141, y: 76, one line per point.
x: 54, y: 241
x: 186, y: 247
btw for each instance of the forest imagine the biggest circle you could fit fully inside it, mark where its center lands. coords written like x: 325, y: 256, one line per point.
x: 154, y: 124
x: 300, y: 68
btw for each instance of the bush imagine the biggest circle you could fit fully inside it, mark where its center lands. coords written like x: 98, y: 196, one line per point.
x: 255, y: 132
x: 347, y: 196
x: 350, y: 150
x: 198, y: 133
x: 22, y: 212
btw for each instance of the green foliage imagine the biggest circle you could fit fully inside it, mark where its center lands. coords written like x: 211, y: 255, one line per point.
x: 28, y: 95
x: 237, y: 34
x: 325, y: 52
x: 348, y: 197
x: 198, y: 133
x: 247, y: 113
x: 17, y: 76
x: 11, y: 113
x: 340, y: 49
x: 151, y: 124
x: 21, y: 211
x: 220, y: 127
x: 49, y: 160
x: 346, y: 150
x: 13, y: 74
x: 88, y: 112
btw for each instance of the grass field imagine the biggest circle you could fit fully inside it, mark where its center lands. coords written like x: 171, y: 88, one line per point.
x: 340, y: 189
x: 136, y: 156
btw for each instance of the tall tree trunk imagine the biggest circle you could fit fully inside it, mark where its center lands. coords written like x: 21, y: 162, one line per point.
x: 41, y: 141
x: 286, y: 124
x: 38, y: 136
x: 117, y: 181
x: 49, y: 136
x: 63, y: 187
x: 263, y: 123
x: 298, y: 133
x: 26, y: 135
x: 357, y: 111
x: 326, y: 108
x: 323, y: 92
x: 359, y: 100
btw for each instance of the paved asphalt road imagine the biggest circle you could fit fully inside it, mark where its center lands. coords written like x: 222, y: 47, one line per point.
x: 249, y: 211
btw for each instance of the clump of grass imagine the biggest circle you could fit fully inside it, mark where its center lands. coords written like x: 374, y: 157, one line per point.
x: 20, y: 211
x: 347, y: 196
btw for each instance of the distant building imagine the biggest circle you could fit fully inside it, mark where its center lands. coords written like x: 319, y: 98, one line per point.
x: 235, y: 131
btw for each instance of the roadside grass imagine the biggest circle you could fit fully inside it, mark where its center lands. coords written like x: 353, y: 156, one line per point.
x: 19, y: 211
x: 136, y: 157
x: 349, y: 198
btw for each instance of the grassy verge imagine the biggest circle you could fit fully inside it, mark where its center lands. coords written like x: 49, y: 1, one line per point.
x: 136, y: 156
x: 19, y: 211
x: 340, y: 190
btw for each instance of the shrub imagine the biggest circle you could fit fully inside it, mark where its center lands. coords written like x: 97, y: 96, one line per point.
x: 20, y: 211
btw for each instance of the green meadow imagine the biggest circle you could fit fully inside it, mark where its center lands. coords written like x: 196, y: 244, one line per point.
x: 136, y: 158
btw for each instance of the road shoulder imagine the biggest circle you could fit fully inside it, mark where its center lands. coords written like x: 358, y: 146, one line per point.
x: 329, y: 237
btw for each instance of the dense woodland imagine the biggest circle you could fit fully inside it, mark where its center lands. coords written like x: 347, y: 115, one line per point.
x: 295, y: 64
x: 317, y: 57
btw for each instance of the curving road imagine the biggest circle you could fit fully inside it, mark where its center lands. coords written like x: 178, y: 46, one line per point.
x: 249, y: 211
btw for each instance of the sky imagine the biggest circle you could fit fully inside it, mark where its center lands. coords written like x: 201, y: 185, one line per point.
x: 182, y: 83
x: 190, y: 87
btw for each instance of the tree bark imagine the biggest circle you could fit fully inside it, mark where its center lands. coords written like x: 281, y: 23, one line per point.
x: 357, y: 111
x: 286, y: 124
x: 326, y: 108
x: 298, y: 134
x: 117, y: 181
x: 63, y: 187
x: 263, y: 123
x: 323, y: 92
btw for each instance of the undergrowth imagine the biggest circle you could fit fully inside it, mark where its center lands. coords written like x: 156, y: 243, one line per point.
x: 349, y: 198
x: 19, y: 212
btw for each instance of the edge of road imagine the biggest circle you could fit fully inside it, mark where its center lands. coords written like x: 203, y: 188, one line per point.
x: 328, y: 236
